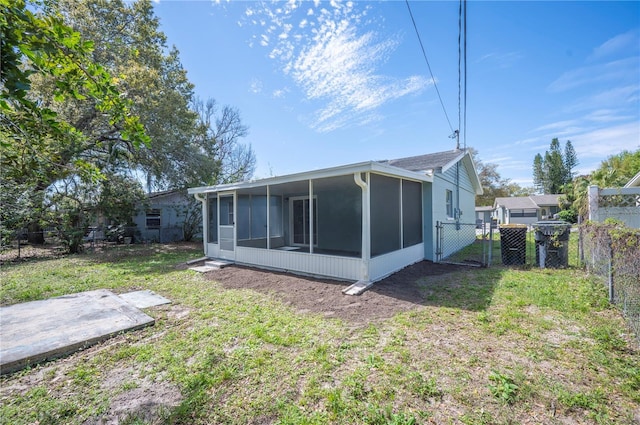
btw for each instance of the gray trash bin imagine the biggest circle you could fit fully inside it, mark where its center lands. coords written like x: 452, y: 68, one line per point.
x: 552, y: 243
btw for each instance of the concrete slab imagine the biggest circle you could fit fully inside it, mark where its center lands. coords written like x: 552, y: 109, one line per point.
x: 144, y: 299
x: 357, y: 288
x: 43, y: 330
x: 204, y: 269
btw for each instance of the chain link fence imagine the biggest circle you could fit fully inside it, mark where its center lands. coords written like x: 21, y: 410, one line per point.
x: 612, y: 252
x: 541, y: 244
x: 52, y: 242
x: 465, y: 243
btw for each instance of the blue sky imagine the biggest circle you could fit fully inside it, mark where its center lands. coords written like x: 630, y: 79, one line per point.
x: 322, y: 84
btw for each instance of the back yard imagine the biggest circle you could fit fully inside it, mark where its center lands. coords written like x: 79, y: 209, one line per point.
x: 431, y: 344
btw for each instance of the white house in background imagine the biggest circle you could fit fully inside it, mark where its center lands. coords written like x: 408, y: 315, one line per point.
x: 358, y: 222
x: 525, y: 209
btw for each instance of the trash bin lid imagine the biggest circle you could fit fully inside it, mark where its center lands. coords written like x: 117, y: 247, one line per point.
x: 551, y: 227
x: 513, y: 226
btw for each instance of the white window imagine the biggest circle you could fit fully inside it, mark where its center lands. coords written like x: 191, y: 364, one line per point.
x: 449, y: 203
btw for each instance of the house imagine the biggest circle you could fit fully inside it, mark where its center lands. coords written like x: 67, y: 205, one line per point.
x: 358, y: 222
x: 484, y: 215
x: 162, y: 216
x: 525, y: 209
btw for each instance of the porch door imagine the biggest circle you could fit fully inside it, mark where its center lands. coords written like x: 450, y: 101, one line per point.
x: 227, y: 227
x: 300, y: 227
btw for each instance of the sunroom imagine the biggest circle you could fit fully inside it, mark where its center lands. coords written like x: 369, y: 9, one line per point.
x: 359, y: 222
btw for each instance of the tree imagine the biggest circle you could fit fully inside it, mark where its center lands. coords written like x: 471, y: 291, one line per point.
x: 39, y: 146
x: 493, y: 185
x: 617, y: 170
x: 554, y: 170
x: 192, y: 142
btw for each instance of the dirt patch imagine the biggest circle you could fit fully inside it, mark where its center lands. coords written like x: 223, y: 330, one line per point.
x: 400, y: 292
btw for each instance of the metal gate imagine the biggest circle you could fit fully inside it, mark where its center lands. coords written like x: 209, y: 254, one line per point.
x: 464, y: 243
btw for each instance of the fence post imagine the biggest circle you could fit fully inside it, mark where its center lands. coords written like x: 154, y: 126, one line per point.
x: 438, y: 242
x: 610, y: 273
x: 490, y: 242
x: 593, y: 201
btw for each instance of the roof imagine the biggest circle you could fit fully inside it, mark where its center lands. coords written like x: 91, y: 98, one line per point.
x: 429, y: 162
x: 634, y: 182
x: 361, y: 167
x: 420, y: 168
x: 484, y: 208
x: 542, y: 200
x: 163, y: 193
x: 526, y: 202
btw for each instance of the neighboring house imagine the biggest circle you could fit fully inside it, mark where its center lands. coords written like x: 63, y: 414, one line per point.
x: 622, y: 203
x: 525, y: 209
x: 484, y: 214
x: 357, y: 222
x: 162, y: 218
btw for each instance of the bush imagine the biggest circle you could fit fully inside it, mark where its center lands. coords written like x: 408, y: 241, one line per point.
x: 569, y: 215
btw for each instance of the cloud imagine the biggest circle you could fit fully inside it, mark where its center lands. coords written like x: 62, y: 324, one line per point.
x: 618, y: 70
x: 501, y: 60
x: 255, y: 86
x: 603, y: 142
x: 619, y: 43
x: 333, y: 54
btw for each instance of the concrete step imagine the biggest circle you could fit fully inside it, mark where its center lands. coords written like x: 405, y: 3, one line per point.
x: 211, y: 265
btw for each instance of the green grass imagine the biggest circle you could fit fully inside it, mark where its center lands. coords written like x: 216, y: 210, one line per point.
x: 496, y: 345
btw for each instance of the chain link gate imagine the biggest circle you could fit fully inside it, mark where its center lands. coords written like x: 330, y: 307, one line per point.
x: 464, y: 243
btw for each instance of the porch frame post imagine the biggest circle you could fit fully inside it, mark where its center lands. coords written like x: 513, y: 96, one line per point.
x: 311, y: 217
x: 268, y: 217
x: 204, y: 200
x: 366, y: 220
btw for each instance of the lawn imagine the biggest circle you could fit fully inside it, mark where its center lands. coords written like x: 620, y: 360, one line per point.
x: 474, y: 346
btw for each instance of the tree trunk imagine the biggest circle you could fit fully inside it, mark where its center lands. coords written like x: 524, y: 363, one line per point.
x: 35, y: 233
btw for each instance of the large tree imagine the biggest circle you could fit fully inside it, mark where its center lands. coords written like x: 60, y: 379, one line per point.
x: 192, y: 142
x: 554, y: 170
x: 39, y: 145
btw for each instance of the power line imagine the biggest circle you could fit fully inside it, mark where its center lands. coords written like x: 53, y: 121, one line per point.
x: 424, y: 54
x: 464, y: 123
x: 462, y: 72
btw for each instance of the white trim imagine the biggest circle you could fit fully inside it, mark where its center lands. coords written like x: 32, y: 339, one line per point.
x: 346, y: 268
x: 370, y: 166
x: 387, y: 264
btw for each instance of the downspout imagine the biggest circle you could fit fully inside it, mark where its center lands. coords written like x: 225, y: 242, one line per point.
x: 366, y: 227
x: 457, y: 212
x: 202, y: 197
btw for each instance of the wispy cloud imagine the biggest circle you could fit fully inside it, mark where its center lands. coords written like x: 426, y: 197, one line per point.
x: 617, y: 70
x: 602, y: 142
x: 620, y: 43
x: 333, y: 54
x: 501, y: 60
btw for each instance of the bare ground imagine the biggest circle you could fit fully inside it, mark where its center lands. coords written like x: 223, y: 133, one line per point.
x: 397, y: 293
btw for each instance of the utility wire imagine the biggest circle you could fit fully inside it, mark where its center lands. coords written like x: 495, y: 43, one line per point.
x: 424, y: 53
x: 462, y: 72
x: 464, y: 123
